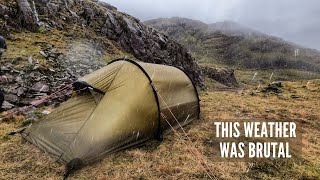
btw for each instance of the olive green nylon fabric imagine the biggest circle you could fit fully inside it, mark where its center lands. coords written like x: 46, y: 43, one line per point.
x: 89, y: 126
x: 177, y: 92
x: 55, y: 132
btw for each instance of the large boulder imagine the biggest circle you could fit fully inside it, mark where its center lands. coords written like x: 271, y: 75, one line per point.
x: 224, y: 76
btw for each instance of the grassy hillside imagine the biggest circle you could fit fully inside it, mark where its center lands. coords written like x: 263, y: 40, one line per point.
x: 236, y: 46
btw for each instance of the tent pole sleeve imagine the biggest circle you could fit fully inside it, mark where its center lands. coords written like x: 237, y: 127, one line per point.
x: 159, y: 133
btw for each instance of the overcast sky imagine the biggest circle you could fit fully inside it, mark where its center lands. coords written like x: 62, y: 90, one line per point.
x: 293, y: 20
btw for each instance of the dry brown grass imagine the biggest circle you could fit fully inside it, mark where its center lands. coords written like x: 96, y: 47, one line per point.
x: 171, y: 159
x: 26, y: 44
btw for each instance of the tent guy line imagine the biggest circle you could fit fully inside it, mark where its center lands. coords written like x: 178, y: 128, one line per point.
x: 196, y: 154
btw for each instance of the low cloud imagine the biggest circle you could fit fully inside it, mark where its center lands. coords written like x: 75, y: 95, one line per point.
x: 293, y: 20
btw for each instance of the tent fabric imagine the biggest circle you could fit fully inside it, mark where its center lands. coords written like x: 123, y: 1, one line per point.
x: 132, y: 110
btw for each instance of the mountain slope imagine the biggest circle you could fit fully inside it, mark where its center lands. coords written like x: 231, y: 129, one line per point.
x: 101, y: 24
x: 234, y: 45
x: 233, y: 28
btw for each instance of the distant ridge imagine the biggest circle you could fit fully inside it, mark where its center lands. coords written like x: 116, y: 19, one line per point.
x: 235, y: 45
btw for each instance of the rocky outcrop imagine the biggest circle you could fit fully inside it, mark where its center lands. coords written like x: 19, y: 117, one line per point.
x: 127, y: 32
x: 29, y: 14
x: 3, y: 10
x: 274, y: 87
x: 34, y: 81
x: 224, y: 76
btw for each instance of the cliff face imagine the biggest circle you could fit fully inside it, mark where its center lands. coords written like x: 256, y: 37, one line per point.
x: 103, y: 20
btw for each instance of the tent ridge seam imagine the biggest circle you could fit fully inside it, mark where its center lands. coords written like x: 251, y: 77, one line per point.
x: 114, y: 77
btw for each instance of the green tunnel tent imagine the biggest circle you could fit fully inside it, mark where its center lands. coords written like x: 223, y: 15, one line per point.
x: 125, y: 111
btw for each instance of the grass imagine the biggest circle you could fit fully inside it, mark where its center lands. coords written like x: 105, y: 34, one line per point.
x: 27, y: 44
x: 267, y: 76
x: 262, y: 77
x: 171, y: 159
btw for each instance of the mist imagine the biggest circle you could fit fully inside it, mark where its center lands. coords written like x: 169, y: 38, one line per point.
x: 296, y: 21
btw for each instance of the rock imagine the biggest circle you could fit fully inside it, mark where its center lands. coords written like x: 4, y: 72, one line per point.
x: 26, y: 101
x: 43, y: 54
x: 3, y: 44
x: 293, y: 96
x: 270, y: 111
x: 5, y: 68
x: 52, y: 9
x: 21, y: 91
x: 40, y: 87
x: 30, y: 60
x: 29, y: 15
x: 1, y: 52
x: 107, y: 5
x: 274, y: 87
x: 19, y: 79
x: 4, y: 10
x: 46, y: 112
x: 9, y: 77
x: 128, y: 35
x: 88, y: 14
x: 12, y: 89
x: 276, y: 84
x: 222, y: 75
x: 39, y: 81
x: 7, y: 106
x: 11, y: 98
